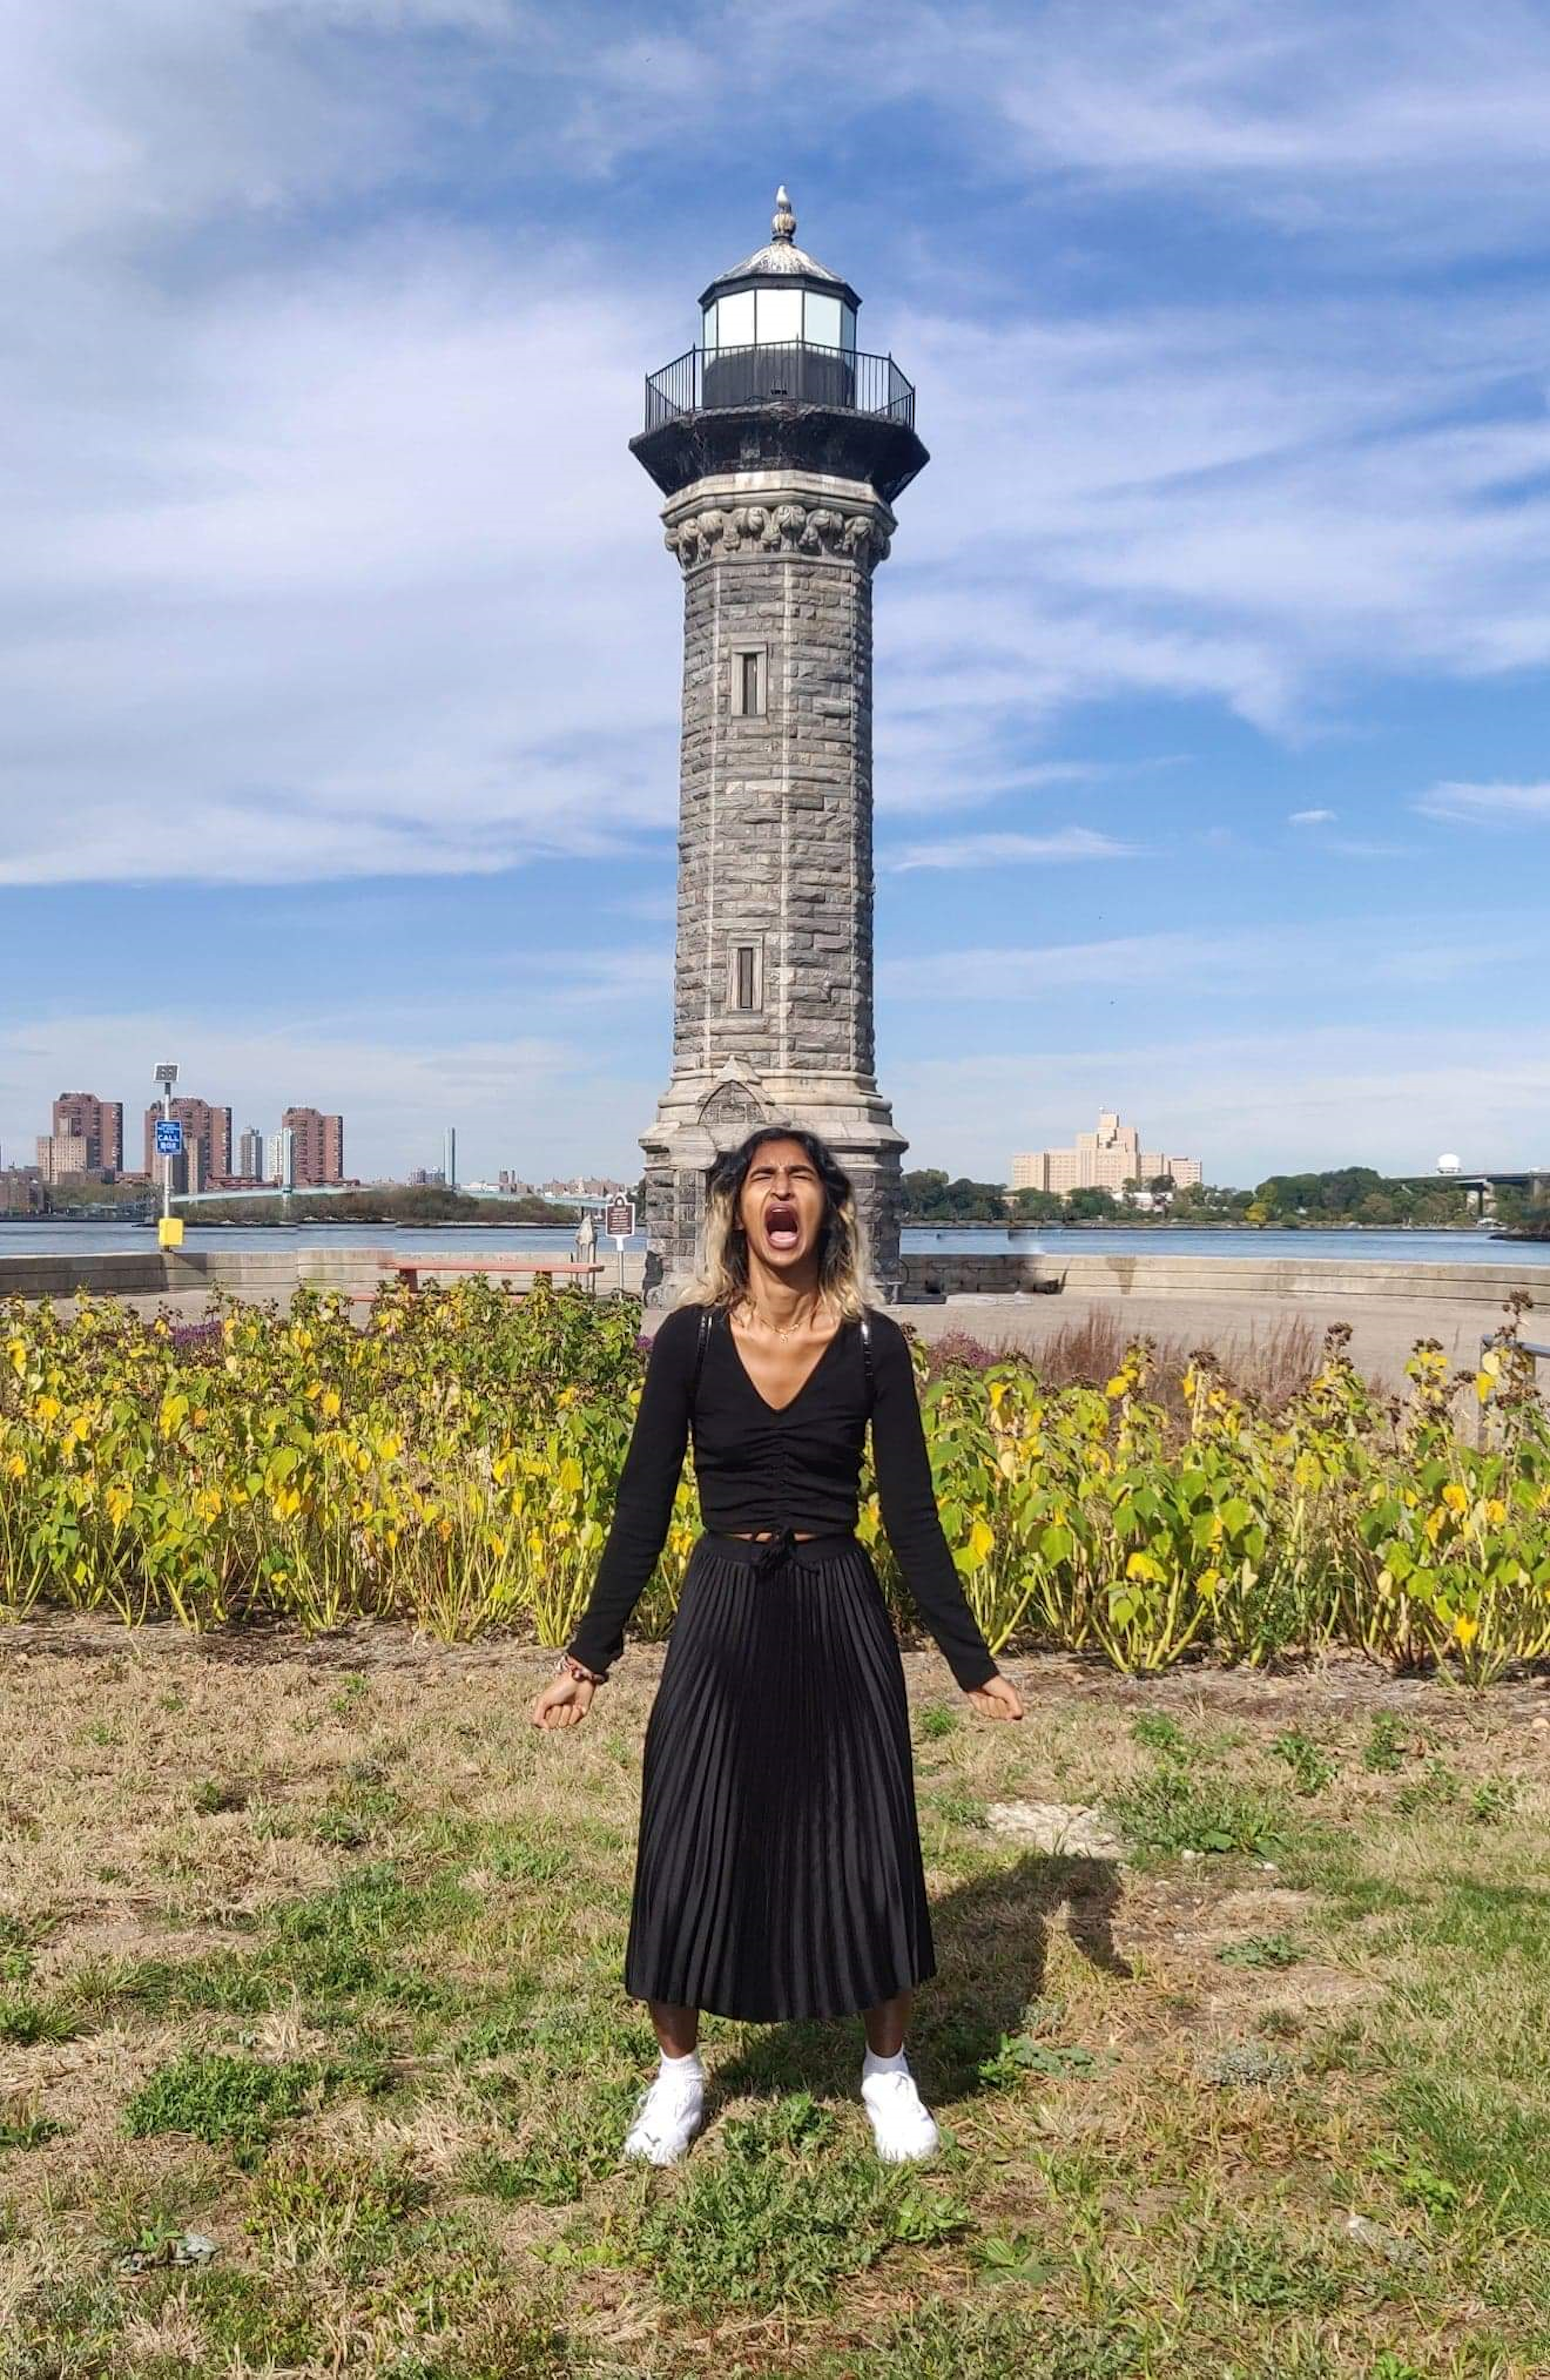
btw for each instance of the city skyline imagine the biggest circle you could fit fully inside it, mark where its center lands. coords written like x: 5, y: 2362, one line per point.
x: 81, y: 1120
x: 1210, y: 681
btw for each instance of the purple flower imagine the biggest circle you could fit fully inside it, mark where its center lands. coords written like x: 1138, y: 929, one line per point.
x: 958, y: 1347
x: 190, y: 1338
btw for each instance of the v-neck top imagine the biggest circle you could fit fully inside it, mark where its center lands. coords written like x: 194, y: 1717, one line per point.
x: 795, y: 1467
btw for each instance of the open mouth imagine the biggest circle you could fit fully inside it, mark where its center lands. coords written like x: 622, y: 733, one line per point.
x: 783, y: 1227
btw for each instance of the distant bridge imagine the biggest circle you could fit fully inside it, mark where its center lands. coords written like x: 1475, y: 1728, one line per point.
x: 1483, y: 1187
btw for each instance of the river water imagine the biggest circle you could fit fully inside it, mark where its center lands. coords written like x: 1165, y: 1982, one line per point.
x: 1051, y: 1239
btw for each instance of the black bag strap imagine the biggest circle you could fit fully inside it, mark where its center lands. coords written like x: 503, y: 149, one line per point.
x: 866, y: 1355
x: 706, y: 1316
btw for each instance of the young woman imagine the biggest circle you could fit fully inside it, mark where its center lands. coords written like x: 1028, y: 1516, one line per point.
x: 778, y: 1870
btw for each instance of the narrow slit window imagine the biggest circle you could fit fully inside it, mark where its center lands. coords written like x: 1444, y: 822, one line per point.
x: 747, y: 995
x: 748, y: 682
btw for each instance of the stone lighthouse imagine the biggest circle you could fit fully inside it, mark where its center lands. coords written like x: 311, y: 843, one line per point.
x: 780, y: 446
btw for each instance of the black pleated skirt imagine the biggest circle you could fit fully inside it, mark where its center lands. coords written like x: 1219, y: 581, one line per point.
x: 778, y: 1869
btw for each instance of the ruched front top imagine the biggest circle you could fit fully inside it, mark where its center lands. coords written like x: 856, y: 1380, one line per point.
x: 795, y: 1467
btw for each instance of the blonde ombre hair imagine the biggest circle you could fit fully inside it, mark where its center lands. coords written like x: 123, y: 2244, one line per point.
x: 844, y: 1259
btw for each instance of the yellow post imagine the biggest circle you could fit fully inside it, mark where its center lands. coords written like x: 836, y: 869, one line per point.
x: 169, y: 1231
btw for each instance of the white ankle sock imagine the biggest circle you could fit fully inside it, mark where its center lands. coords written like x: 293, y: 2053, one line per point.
x: 686, y: 2066
x: 873, y: 2064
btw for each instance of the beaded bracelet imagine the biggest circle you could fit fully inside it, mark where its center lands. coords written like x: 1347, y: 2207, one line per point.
x: 569, y: 1666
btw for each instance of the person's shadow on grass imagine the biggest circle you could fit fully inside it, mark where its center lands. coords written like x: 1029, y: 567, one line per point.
x: 992, y: 1937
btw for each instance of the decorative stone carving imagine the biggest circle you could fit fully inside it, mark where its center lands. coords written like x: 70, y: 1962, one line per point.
x: 729, y: 1114
x: 716, y: 533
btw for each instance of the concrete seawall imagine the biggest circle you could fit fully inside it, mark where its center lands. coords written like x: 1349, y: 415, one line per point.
x: 1268, y: 1279
x: 1277, y: 1281
x: 257, y: 1274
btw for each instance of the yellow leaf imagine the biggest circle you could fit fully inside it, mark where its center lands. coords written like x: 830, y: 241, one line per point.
x: 1466, y: 1628
x: 982, y: 1541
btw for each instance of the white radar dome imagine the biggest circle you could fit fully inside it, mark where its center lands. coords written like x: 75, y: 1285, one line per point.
x: 1447, y: 1163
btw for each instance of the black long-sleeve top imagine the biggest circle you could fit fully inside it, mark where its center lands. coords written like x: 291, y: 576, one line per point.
x: 796, y: 1467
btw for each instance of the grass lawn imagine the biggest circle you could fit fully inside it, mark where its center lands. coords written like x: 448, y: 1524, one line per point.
x: 314, y: 2056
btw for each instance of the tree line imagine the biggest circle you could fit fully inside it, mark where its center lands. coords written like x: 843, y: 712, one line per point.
x: 1344, y: 1194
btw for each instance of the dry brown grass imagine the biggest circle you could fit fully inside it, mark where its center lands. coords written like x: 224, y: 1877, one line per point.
x: 1268, y: 1360
x: 1120, y: 2177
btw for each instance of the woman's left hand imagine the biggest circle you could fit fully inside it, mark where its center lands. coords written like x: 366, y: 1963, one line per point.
x: 997, y: 1698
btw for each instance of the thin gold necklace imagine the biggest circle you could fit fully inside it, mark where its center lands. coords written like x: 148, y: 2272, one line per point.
x: 791, y: 1329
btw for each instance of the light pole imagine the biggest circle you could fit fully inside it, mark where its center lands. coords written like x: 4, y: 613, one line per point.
x: 165, y: 1076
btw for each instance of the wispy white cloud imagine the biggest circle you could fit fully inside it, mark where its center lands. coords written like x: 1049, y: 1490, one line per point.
x: 1309, y: 817
x: 1357, y: 953
x: 324, y: 576
x: 1067, y: 843
x: 1487, y: 805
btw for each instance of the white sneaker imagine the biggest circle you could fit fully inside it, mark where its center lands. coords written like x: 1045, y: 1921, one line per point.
x: 902, y: 2125
x: 667, y: 2117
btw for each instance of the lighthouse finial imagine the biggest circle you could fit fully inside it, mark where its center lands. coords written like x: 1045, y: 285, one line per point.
x: 784, y: 222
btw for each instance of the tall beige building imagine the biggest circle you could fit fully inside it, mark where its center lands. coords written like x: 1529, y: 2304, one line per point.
x: 60, y: 1154
x: 1105, y: 1160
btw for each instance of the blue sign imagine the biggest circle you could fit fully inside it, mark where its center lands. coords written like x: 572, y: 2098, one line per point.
x: 169, y: 1137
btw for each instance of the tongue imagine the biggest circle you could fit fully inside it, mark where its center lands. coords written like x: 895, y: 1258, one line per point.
x: 783, y: 1235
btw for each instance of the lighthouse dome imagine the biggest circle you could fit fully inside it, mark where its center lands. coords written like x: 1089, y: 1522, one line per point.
x: 781, y: 257
x: 780, y: 297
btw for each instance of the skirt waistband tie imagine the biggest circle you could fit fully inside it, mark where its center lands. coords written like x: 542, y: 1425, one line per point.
x: 773, y: 1551
x: 768, y: 1554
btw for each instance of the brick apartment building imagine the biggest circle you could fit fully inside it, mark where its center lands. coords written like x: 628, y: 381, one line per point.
x: 206, y: 1138
x: 318, y: 1147
x: 80, y: 1115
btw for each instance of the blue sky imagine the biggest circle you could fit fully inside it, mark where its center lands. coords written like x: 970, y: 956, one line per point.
x: 338, y: 663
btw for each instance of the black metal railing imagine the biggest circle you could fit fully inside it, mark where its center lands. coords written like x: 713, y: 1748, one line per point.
x: 707, y: 378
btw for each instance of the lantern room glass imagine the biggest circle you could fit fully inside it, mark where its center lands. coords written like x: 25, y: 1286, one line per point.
x: 771, y: 317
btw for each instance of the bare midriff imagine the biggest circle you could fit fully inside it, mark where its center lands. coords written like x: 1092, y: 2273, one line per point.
x: 759, y: 1536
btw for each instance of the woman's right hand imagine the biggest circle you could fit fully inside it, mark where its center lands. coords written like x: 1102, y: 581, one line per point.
x: 565, y: 1702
